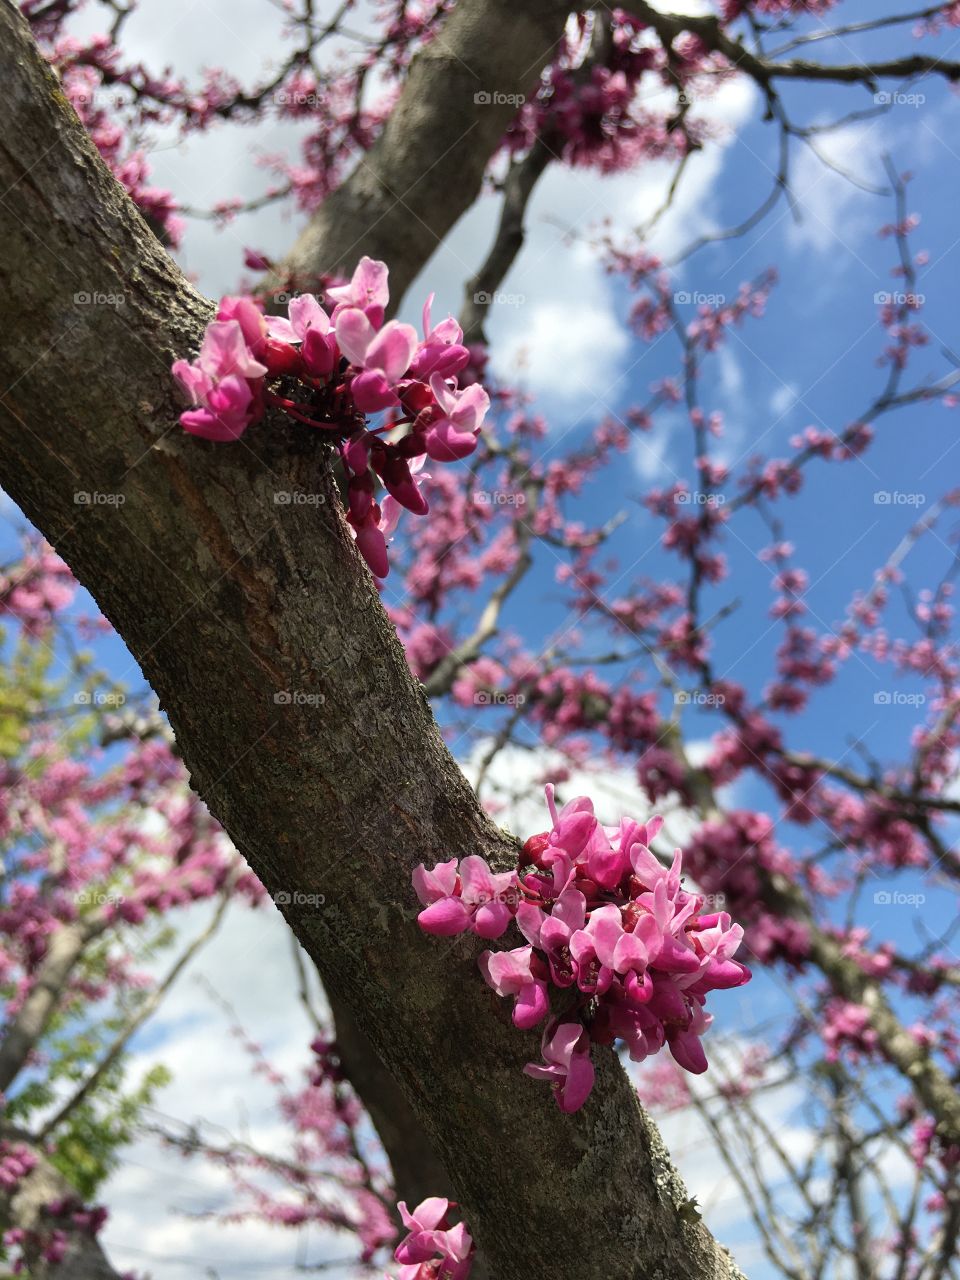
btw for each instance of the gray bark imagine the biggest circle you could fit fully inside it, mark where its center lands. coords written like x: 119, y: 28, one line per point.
x: 227, y: 600
x: 22, y: 1032
x: 84, y: 1259
x: 427, y: 167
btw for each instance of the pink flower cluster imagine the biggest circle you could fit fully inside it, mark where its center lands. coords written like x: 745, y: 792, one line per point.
x: 346, y: 366
x: 431, y: 1250
x: 52, y: 1241
x: 606, y: 923
x: 16, y: 1161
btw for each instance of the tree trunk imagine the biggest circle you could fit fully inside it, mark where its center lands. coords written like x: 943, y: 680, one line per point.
x: 83, y: 1258
x: 293, y: 706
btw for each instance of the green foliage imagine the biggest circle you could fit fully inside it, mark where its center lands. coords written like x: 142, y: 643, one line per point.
x: 89, y: 1143
x: 40, y: 684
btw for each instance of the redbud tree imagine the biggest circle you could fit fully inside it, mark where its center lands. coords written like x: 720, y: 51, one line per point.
x: 506, y: 1004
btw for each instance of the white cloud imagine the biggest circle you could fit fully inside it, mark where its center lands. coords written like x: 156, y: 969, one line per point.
x: 155, y: 1195
x: 560, y: 305
x: 558, y: 356
x: 784, y: 399
x: 836, y: 212
x: 651, y: 452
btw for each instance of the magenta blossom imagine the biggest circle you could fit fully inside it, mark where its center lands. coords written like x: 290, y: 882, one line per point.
x: 566, y: 1064
x: 607, y: 922
x: 218, y: 383
x: 432, y: 1250
x: 518, y: 973
x: 442, y: 350
x: 368, y: 290
x: 473, y: 898
x: 381, y: 358
x: 454, y: 434
x: 330, y: 370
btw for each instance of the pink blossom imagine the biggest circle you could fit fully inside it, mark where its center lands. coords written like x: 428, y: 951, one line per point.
x: 454, y: 434
x: 512, y: 973
x: 234, y: 380
x: 442, y: 350
x: 368, y: 290
x: 606, y: 921
x: 218, y: 383
x: 382, y: 358
x: 433, y: 1250
x: 566, y: 1064
x: 473, y: 898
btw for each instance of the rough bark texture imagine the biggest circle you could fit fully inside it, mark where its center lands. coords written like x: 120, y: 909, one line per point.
x: 22, y: 1032
x: 417, y: 1173
x: 83, y: 1258
x: 291, y: 700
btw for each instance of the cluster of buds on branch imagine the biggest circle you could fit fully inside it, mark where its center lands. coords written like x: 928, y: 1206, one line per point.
x: 607, y: 925
x: 345, y: 366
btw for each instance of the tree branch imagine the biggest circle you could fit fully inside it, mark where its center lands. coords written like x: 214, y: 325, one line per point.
x: 427, y: 166
x: 227, y: 600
